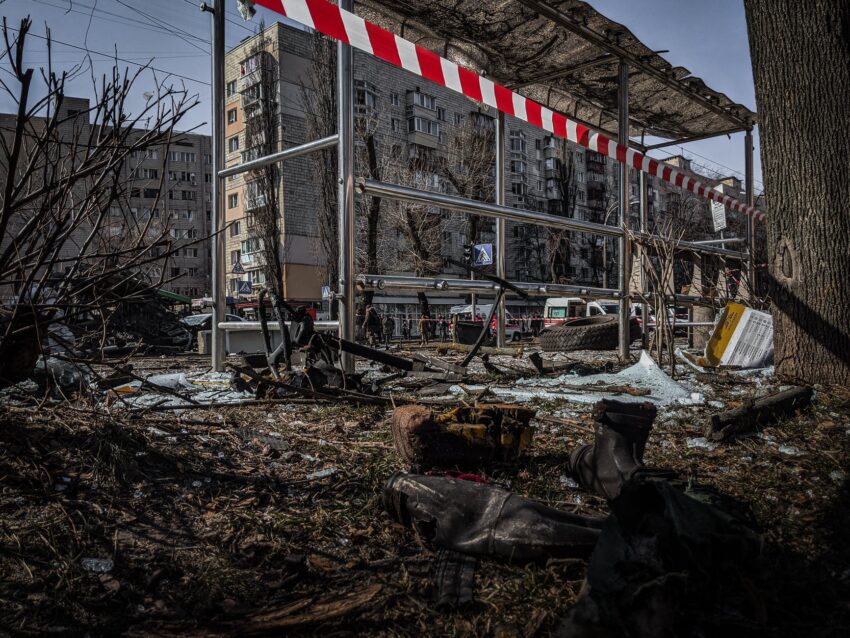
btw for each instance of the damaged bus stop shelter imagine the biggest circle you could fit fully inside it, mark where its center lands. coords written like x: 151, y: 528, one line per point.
x: 558, y: 65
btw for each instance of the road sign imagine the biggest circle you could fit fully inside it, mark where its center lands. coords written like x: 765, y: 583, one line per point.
x: 326, y: 292
x: 238, y: 269
x: 244, y: 287
x: 483, y: 254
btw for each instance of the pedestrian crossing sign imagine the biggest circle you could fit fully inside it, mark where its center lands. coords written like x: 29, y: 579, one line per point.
x: 483, y: 254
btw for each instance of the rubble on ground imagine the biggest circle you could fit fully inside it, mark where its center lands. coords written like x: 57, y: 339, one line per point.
x: 237, y: 503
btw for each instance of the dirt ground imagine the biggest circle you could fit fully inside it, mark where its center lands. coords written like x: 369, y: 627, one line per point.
x: 267, y: 520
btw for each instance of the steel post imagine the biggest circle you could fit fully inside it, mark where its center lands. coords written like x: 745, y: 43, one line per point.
x: 345, y: 130
x: 751, y: 200
x: 644, y: 226
x: 219, y: 310
x: 500, y: 225
x: 625, y: 258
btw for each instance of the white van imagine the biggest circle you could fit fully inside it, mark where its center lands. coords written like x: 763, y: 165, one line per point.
x: 559, y: 309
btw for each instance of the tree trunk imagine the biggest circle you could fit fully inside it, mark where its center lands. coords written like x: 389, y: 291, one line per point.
x: 801, y: 67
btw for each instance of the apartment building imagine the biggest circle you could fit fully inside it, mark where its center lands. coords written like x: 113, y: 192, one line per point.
x: 167, y: 190
x: 411, y: 119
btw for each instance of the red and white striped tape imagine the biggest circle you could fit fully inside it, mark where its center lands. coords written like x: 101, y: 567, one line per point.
x: 346, y: 27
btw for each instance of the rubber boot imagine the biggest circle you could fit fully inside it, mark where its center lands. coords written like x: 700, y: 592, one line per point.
x: 480, y: 519
x: 617, y: 453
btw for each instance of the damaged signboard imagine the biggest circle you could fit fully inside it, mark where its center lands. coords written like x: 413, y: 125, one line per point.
x: 741, y: 338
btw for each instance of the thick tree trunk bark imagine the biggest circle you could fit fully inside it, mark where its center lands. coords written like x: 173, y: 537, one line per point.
x: 801, y: 67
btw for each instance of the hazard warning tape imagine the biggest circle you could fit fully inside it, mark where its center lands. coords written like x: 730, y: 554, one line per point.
x: 350, y: 29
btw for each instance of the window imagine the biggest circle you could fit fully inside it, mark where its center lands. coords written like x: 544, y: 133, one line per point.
x: 150, y: 193
x: 424, y: 100
x: 235, y: 255
x: 135, y: 192
x: 394, y: 99
x: 518, y: 188
x: 458, y: 119
x: 192, y: 272
x: 150, y: 173
x: 234, y: 229
x: 175, y: 272
x: 422, y: 125
x: 394, y: 125
x: 231, y: 116
x: 518, y: 166
x: 441, y: 114
x: 233, y: 144
x: 207, y: 178
x: 187, y: 214
x: 233, y: 200
x: 518, y: 142
x: 191, y: 233
x: 182, y: 156
x: 190, y: 252
x: 230, y: 89
x: 537, y: 144
x: 366, y: 94
x: 249, y: 246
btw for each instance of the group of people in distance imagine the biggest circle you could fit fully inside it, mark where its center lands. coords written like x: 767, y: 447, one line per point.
x: 379, y: 329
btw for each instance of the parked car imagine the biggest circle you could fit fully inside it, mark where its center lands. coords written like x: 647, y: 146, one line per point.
x: 200, y: 322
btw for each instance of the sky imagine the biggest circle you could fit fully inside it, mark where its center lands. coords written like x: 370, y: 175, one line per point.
x: 708, y: 38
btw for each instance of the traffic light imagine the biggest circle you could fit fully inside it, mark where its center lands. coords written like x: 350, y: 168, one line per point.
x: 467, y: 253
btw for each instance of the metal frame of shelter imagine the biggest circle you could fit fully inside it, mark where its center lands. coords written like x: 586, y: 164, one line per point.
x: 349, y: 281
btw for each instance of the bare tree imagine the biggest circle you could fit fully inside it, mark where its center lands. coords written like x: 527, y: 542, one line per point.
x: 468, y: 164
x: 559, y: 242
x: 318, y: 97
x: 70, y: 247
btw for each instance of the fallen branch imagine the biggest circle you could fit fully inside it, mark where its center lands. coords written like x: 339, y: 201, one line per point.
x: 756, y: 414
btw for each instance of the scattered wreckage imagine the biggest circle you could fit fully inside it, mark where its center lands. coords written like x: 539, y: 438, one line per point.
x: 110, y: 318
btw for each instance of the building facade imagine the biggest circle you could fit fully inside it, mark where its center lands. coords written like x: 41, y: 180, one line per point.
x: 165, y: 190
x: 411, y: 122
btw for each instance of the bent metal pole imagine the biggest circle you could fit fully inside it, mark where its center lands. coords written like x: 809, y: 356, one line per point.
x: 346, y: 27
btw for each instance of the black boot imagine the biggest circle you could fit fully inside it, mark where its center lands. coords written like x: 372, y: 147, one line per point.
x: 621, y: 433
x: 485, y: 520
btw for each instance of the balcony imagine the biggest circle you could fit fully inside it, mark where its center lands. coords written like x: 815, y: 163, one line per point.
x: 250, y: 79
x: 258, y: 201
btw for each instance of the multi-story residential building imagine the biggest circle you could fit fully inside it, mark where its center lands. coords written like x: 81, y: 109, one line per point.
x: 413, y: 121
x: 167, y: 189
